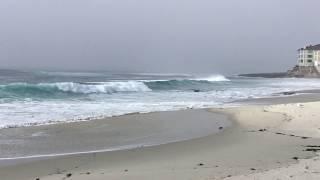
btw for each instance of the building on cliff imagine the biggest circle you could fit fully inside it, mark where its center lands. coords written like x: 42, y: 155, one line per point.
x: 309, y: 56
x: 308, y: 62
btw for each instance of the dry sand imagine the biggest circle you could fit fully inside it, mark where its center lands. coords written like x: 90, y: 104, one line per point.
x: 264, y: 142
x: 300, y: 119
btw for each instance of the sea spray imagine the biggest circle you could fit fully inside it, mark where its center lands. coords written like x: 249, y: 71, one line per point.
x: 212, y: 78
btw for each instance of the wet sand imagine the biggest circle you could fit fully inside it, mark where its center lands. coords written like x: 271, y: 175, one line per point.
x: 261, y: 138
x: 116, y: 133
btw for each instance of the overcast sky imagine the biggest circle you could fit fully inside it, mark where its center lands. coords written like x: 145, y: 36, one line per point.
x: 193, y: 36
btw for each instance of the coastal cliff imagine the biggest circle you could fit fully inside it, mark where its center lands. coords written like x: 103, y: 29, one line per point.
x: 304, y: 72
x: 297, y: 71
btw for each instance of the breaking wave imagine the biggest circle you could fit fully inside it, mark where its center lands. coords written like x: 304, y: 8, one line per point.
x: 212, y: 78
x: 51, y: 89
x: 25, y: 89
x: 107, y: 87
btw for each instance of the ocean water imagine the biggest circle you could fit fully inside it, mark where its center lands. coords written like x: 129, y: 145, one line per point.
x: 34, y: 98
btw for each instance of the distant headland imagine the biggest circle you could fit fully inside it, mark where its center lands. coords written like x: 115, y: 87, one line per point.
x: 308, y: 65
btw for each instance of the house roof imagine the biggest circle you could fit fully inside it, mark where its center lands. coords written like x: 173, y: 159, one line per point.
x: 311, y: 47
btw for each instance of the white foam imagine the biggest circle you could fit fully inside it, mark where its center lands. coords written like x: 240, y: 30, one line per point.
x: 106, y: 87
x: 212, y: 78
x: 30, y: 112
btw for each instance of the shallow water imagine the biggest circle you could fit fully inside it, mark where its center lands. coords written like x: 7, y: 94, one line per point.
x: 33, y: 98
x: 123, y: 132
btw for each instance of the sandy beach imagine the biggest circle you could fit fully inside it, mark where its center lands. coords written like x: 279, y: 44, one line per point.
x: 264, y: 142
x: 159, y: 90
x: 109, y: 134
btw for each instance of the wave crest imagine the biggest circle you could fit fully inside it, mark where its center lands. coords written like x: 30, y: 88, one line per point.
x: 60, y: 89
x: 71, y: 87
x: 212, y: 78
x: 108, y: 87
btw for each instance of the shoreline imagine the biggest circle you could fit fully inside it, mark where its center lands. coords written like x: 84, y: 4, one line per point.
x: 303, y: 96
x: 299, y: 96
x: 237, y: 150
x: 110, y: 134
x: 282, y: 97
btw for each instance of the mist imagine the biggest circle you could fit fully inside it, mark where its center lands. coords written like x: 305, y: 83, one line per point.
x: 181, y: 36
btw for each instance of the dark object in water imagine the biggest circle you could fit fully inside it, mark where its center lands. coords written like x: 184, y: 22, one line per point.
x: 252, y: 169
x: 304, y: 137
x: 295, y: 158
x: 312, y: 150
x: 196, y: 90
x: 37, y: 178
x: 312, y: 146
x: 262, y: 130
x: 69, y: 175
x: 200, y: 164
x: 288, y: 93
x: 126, y: 170
x: 220, y: 128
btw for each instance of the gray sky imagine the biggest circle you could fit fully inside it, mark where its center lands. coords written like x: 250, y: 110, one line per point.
x: 195, y: 36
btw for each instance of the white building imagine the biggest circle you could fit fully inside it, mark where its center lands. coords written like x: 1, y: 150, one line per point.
x: 309, y: 56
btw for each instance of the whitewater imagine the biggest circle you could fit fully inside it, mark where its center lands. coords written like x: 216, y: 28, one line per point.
x: 37, y: 98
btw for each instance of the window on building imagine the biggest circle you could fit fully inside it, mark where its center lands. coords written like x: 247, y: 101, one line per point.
x: 310, y: 56
x: 309, y: 61
x: 301, y: 61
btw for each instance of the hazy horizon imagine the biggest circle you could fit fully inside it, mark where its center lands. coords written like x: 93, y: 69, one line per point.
x: 229, y: 37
